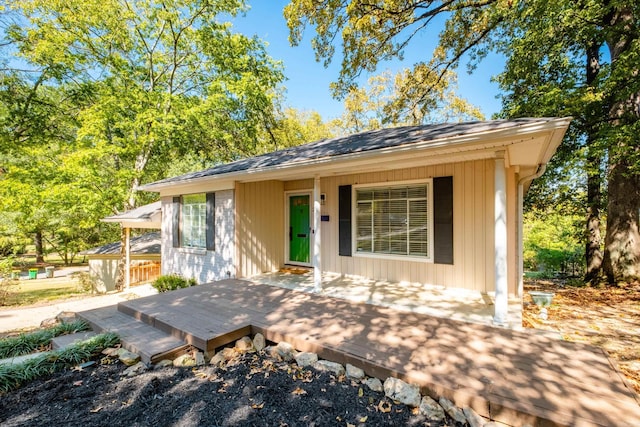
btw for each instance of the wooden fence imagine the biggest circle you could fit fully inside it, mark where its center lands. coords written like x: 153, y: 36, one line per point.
x: 144, y: 272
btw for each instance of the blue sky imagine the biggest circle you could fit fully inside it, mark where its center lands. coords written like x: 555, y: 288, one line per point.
x: 308, y: 81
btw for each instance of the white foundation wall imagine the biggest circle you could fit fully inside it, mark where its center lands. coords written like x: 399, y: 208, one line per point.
x: 105, y: 272
x: 202, y: 265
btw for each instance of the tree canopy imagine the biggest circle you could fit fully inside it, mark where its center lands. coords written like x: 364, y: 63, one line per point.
x: 100, y: 96
x: 563, y: 58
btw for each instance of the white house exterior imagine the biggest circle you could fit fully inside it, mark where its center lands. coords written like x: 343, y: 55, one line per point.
x: 435, y: 204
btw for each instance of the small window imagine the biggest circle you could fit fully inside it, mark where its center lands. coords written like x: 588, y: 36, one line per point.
x: 194, y: 221
x: 393, y: 220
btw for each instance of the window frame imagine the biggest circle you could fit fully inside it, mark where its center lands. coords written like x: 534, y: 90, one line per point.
x: 183, y: 229
x: 389, y: 185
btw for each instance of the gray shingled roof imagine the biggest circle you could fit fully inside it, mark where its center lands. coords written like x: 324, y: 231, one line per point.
x: 142, y: 213
x: 146, y: 244
x: 357, y: 143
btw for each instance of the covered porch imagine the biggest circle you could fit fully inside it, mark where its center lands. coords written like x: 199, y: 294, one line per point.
x: 450, y: 303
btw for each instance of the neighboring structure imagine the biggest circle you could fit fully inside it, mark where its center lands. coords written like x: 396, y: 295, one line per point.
x: 146, y: 216
x: 435, y: 204
x: 144, y: 258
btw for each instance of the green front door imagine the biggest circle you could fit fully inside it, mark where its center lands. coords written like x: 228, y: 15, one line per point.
x: 299, y: 231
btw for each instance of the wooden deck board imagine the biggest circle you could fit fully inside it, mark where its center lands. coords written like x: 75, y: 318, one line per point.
x: 135, y: 336
x: 510, y: 376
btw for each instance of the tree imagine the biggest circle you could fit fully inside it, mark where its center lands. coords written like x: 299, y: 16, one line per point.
x: 165, y: 79
x: 36, y: 126
x: 390, y: 99
x: 294, y: 127
x: 547, y: 45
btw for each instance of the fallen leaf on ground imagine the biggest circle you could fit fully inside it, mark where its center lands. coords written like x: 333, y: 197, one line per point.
x: 384, y: 407
x: 298, y: 391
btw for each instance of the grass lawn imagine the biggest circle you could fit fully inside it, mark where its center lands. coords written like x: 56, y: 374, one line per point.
x: 44, y: 290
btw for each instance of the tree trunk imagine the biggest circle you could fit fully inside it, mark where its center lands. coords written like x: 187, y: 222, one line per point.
x: 39, y: 247
x: 622, y: 241
x: 593, y: 252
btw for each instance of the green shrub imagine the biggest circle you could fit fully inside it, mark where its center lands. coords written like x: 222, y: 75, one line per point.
x: 553, y: 244
x: 8, y: 285
x: 86, y: 282
x: 13, y: 375
x: 32, y: 341
x: 171, y: 282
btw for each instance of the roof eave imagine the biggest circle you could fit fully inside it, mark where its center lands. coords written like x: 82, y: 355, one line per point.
x: 472, y: 140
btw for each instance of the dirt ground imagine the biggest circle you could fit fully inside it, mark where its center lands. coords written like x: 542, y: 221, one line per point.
x: 608, y: 317
x: 256, y: 390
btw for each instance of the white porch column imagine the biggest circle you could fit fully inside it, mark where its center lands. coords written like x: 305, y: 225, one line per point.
x: 127, y: 266
x: 500, y: 229
x: 317, y: 261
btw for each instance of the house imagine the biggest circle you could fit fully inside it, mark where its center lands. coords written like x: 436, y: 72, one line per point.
x: 144, y: 261
x: 434, y: 204
x: 142, y: 254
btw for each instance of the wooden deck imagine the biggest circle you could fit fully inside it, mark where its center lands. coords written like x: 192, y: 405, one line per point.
x: 507, y: 376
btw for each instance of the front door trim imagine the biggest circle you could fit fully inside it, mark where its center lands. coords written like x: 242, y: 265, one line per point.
x: 287, y: 217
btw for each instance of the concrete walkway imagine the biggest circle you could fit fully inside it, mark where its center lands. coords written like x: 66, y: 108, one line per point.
x: 30, y: 317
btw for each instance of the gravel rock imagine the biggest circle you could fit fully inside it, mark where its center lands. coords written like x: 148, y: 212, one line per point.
x: 285, y: 351
x: 327, y: 366
x: 134, y: 370
x: 199, y: 357
x: 305, y: 359
x: 217, y: 359
x: 473, y: 419
x: 163, y: 364
x: 127, y: 357
x: 431, y: 409
x: 66, y: 317
x: 374, y: 384
x: 398, y: 390
x: 259, y: 342
x: 184, y: 361
x: 353, y: 372
x: 453, y: 411
x: 244, y: 344
x: 48, y: 323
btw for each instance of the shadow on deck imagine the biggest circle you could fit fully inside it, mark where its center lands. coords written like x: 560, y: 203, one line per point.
x: 513, y: 377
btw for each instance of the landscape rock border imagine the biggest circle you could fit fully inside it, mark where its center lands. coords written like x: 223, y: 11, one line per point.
x: 393, y: 388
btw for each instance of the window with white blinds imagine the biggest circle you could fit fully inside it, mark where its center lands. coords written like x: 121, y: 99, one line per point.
x: 393, y: 220
x: 194, y: 221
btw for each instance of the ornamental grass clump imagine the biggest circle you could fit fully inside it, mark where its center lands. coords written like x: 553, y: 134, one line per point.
x: 15, y: 375
x: 33, y: 341
x: 171, y: 282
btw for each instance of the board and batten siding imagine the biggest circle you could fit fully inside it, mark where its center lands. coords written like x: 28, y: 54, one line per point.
x: 260, y: 227
x: 201, y: 264
x: 473, y: 203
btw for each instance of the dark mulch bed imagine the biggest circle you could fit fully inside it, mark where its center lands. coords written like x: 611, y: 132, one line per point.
x: 254, y: 391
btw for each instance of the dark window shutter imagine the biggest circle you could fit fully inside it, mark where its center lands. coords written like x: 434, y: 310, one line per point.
x: 344, y: 220
x: 211, y: 221
x: 443, y: 220
x: 175, y: 221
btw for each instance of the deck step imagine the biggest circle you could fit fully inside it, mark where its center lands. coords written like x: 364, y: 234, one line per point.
x: 64, y: 341
x: 150, y: 343
x: 192, y: 323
